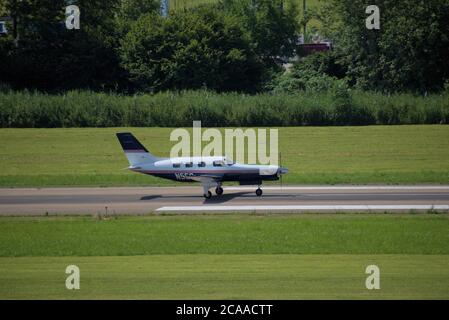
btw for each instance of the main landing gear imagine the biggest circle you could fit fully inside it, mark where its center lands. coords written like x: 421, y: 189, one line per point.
x: 219, y: 191
x: 208, y: 195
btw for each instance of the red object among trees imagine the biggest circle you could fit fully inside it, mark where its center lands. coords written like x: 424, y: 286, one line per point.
x: 309, y: 48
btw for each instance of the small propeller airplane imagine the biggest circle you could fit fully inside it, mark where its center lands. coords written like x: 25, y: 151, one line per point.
x: 210, y: 171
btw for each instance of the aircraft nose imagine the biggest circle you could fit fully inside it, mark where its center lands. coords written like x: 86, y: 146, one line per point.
x: 282, y: 171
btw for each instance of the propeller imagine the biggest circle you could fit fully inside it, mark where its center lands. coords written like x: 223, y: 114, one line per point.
x: 281, y: 171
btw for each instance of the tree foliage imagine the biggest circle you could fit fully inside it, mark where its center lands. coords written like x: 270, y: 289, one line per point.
x: 408, y: 53
x: 202, y: 48
x: 235, y: 45
x: 273, y: 26
x: 49, y: 57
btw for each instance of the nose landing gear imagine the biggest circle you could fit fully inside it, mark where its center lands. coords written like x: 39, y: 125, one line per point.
x: 259, y: 192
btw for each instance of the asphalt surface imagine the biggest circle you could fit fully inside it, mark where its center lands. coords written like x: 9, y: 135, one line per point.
x: 83, y: 201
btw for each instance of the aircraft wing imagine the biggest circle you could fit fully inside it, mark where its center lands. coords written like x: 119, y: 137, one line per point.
x: 207, y: 178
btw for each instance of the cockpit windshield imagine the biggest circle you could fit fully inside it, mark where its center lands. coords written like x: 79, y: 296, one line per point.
x: 223, y: 163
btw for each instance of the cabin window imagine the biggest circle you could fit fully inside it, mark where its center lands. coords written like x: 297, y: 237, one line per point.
x: 201, y: 164
x: 189, y: 164
x: 176, y: 165
x: 218, y: 163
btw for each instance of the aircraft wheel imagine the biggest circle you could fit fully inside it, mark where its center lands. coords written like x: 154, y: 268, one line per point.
x: 259, y: 192
x: 219, y: 191
x: 208, y: 195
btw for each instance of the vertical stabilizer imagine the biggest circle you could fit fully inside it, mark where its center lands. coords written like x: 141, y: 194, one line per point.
x: 134, y: 150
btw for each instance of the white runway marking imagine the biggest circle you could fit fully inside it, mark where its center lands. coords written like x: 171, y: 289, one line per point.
x: 445, y: 187
x: 305, y: 208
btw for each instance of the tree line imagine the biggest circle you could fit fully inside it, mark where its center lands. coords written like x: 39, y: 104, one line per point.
x: 125, y: 46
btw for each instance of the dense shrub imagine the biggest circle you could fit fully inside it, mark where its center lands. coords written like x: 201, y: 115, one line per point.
x: 314, y: 73
x: 340, y: 106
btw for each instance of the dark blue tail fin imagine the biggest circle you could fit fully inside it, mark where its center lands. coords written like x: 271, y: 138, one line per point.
x: 134, y: 150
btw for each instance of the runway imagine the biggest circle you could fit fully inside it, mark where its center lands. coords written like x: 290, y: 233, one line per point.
x: 133, y: 201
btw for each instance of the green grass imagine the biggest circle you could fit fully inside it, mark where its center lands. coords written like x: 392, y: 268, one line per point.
x: 226, y: 257
x: 226, y: 277
x: 226, y: 234
x: 314, y: 155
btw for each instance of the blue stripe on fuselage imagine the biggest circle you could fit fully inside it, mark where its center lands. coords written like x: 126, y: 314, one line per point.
x: 226, y: 177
